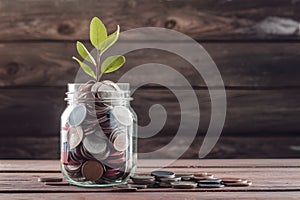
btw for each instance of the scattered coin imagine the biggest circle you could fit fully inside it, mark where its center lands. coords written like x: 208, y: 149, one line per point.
x: 169, y: 180
x: 210, y: 185
x: 75, y: 135
x: 122, y: 115
x: 143, y: 180
x: 243, y: 183
x: 231, y: 180
x: 163, y: 174
x: 210, y: 181
x: 198, y: 177
x: 185, y: 177
x: 164, y: 184
x: 184, y: 184
x: 77, y: 115
x: 50, y: 179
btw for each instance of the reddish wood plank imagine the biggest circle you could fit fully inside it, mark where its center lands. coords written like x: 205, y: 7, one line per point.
x: 217, y: 19
x: 249, y: 112
x: 159, y: 195
x: 240, y: 64
x: 227, y: 147
x: 53, y: 165
x: 277, y: 179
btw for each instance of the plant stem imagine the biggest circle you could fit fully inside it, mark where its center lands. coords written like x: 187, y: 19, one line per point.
x: 100, y: 76
x: 97, y: 65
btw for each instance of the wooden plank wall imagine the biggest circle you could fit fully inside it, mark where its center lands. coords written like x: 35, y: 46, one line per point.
x: 254, y: 43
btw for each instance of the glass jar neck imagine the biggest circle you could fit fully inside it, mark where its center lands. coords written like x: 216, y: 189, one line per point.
x: 83, y: 93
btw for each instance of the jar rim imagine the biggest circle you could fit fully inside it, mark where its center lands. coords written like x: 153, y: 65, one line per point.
x: 104, y: 96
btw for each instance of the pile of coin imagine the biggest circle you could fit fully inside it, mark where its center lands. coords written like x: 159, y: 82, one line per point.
x: 97, y: 133
x: 184, y: 181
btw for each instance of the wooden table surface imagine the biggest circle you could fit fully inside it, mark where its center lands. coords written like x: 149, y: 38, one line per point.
x: 272, y: 179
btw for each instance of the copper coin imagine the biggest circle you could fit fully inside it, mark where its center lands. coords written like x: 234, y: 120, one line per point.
x: 92, y: 170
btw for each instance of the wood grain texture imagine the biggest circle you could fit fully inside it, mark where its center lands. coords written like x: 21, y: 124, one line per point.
x: 36, y: 111
x: 264, y: 179
x: 28, y: 183
x: 52, y: 166
x: 165, y: 195
x: 240, y: 64
x: 213, y: 20
x: 30, y: 147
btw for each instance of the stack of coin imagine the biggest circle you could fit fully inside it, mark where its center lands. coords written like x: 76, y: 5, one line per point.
x: 97, y: 136
x: 237, y: 182
x: 184, y: 181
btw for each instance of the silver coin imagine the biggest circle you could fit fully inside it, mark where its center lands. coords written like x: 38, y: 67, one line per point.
x: 169, y: 180
x: 102, y: 156
x: 163, y: 174
x: 143, y: 180
x: 184, y: 184
x: 138, y: 186
x: 185, y: 177
x: 210, y: 181
x: 94, y: 144
x: 75, y: 136
x: 98, y: 132
x: 77, y: 115
x: 122, y: 115
x: 96, y: 86
x: 105, y: 85
x: 120, y: 142
x: 109, y: 84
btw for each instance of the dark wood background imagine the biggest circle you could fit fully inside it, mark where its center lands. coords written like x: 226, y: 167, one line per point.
x: 255, y: 44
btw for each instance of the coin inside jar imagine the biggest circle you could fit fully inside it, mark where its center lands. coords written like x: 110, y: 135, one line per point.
x: 95, y: 144
x: 92, y: 170
x: 122, y: 115
x: 75, y: 135
x: 120, y: 142
x: 77, y: 115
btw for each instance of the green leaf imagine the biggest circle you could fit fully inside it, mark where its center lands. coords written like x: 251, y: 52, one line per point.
x: 98, y: 32
x: 112, y: 63
x: 111, y: 39
x: 84, y: 53
x: 85, y: 68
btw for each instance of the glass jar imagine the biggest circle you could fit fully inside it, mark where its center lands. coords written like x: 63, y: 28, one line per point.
x: 98, y: 135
